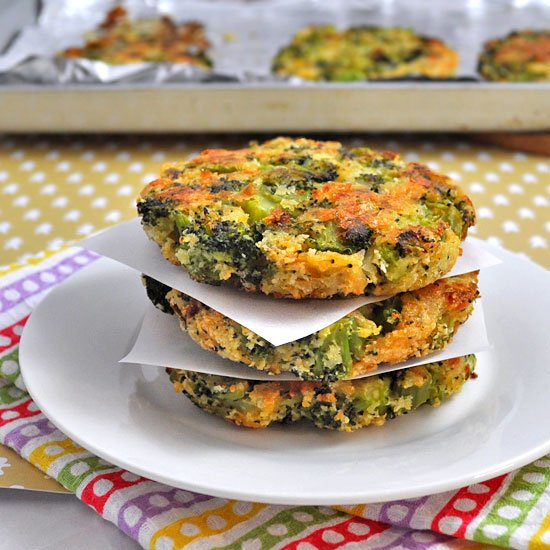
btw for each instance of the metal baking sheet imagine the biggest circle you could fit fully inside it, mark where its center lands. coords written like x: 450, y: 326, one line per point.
x: 242, y: 95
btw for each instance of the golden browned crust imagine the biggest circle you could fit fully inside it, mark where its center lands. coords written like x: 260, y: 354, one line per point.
x: 360, y: 53
x: 345, y: 405
x: 119, y: 40
x: 300, y: 218
x: 412, y: 324
x: 521, y: 56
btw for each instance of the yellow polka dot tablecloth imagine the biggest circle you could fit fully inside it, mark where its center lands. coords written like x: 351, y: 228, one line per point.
x: 56, y: 190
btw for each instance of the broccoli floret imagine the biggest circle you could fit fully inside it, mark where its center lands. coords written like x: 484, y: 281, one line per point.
x: 156, y: 292
x: 153, y: 210
x: 219, y: 252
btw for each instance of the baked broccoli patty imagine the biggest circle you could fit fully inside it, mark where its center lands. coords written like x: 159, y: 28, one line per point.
x: 521, y: 56
x: 363, y: 53
x: 411, y: 324
x: 344, y: 405
x: 299, y: 218
x: 119, y: 40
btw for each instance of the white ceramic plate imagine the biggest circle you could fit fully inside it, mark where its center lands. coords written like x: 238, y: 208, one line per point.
x: 131, y: 417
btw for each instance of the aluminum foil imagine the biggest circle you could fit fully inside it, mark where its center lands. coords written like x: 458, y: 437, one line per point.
x: 246, y: 34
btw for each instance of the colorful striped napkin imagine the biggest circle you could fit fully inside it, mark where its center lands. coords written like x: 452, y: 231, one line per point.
x: 508, y: 511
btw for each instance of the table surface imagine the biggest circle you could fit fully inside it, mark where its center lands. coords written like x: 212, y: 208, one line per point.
x: 59, y: 189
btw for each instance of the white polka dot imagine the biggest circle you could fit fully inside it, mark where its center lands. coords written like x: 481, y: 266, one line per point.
x: 65, y: 269
x: 494, y: 531
x: 304, y: 517
x: 423, y: 536
x: 9, y: 415
x: 449, y: 524
x: 215, y: 522
x: 100, y: 202
x: 79, y: 468
x: 543, y: 463
x: 75, y: 177
x: 518, y: 155
x: 113, y: 216
x: 148, y: 178
x: 158, y: 500
x: 397, y: 512
x: 164, y: 543
x: 432, y: 165
x: 485, y: 213
x: 501, y: 200
x: 53, y: 450
x: 516, y: 189
x: 72, y: 215
x: 15, y: 393
x: 457, y: 176
x: 495, y: 241
x: 533, y: 477
x: 469, y: 167
x: 484, y: 156
x: 189, y: 530
x: 135, y: 167
x: 526, y: 213
x: 9, y: 367
x: 11, y: 188
x: 492, y: 177
x: 23, y: 200
x: 326, y: 511
x: 252, y: 544
x: 510, y: 226
x: 112, y: 178
x: 27, y: 166
x: 183, y: 496
x: 412, y: 156
x: 63, y: 166
x: 129, y: 477
x: 522, y: 495
x: 4, y: 341
x: 539, y: 200
x: 509, y: 512
x: 123, y: 155
x: 477, y: 187
x: 545, y: 537
x: 242, y: 508
x: 158, y: 156
x: 32, y: 406
x: 87, y: 155
x: 277, y: 530
x: 447, y: 155
x: 81, y: 260
x: 18, y: 329
x: 43, y: 229
x: 306, y: 546
x: 85, y: 229
x: 465, y: 504
x: 11, y: 295
x: 125, y: 191
x: 529, y: 178
x: 102, y: 487
x: 30, y: 431
x: 332, y: 537
x: 358, y: 529
x: 538, y: 241
x: 32, y: 214
x: 506, y: 167
x: 48, y: 277
x: 86, y: 190
x: 132, y: 515
x: 60, y: 202
x: 99, y: 166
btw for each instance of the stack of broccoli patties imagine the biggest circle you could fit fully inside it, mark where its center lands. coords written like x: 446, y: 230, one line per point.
x: 298, y: 219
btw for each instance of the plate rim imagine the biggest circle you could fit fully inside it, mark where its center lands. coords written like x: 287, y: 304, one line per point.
x: 360, y: 496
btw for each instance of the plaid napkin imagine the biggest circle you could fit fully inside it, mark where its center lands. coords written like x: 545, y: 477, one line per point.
x: 508, y: 511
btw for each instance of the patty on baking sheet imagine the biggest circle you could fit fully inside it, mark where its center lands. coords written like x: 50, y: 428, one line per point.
x: 343, y: 405
x: 411, y: 324
x: 120, y: 40
x: 521, y: 56
x: 363, y: 53
x: 299, y: 218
